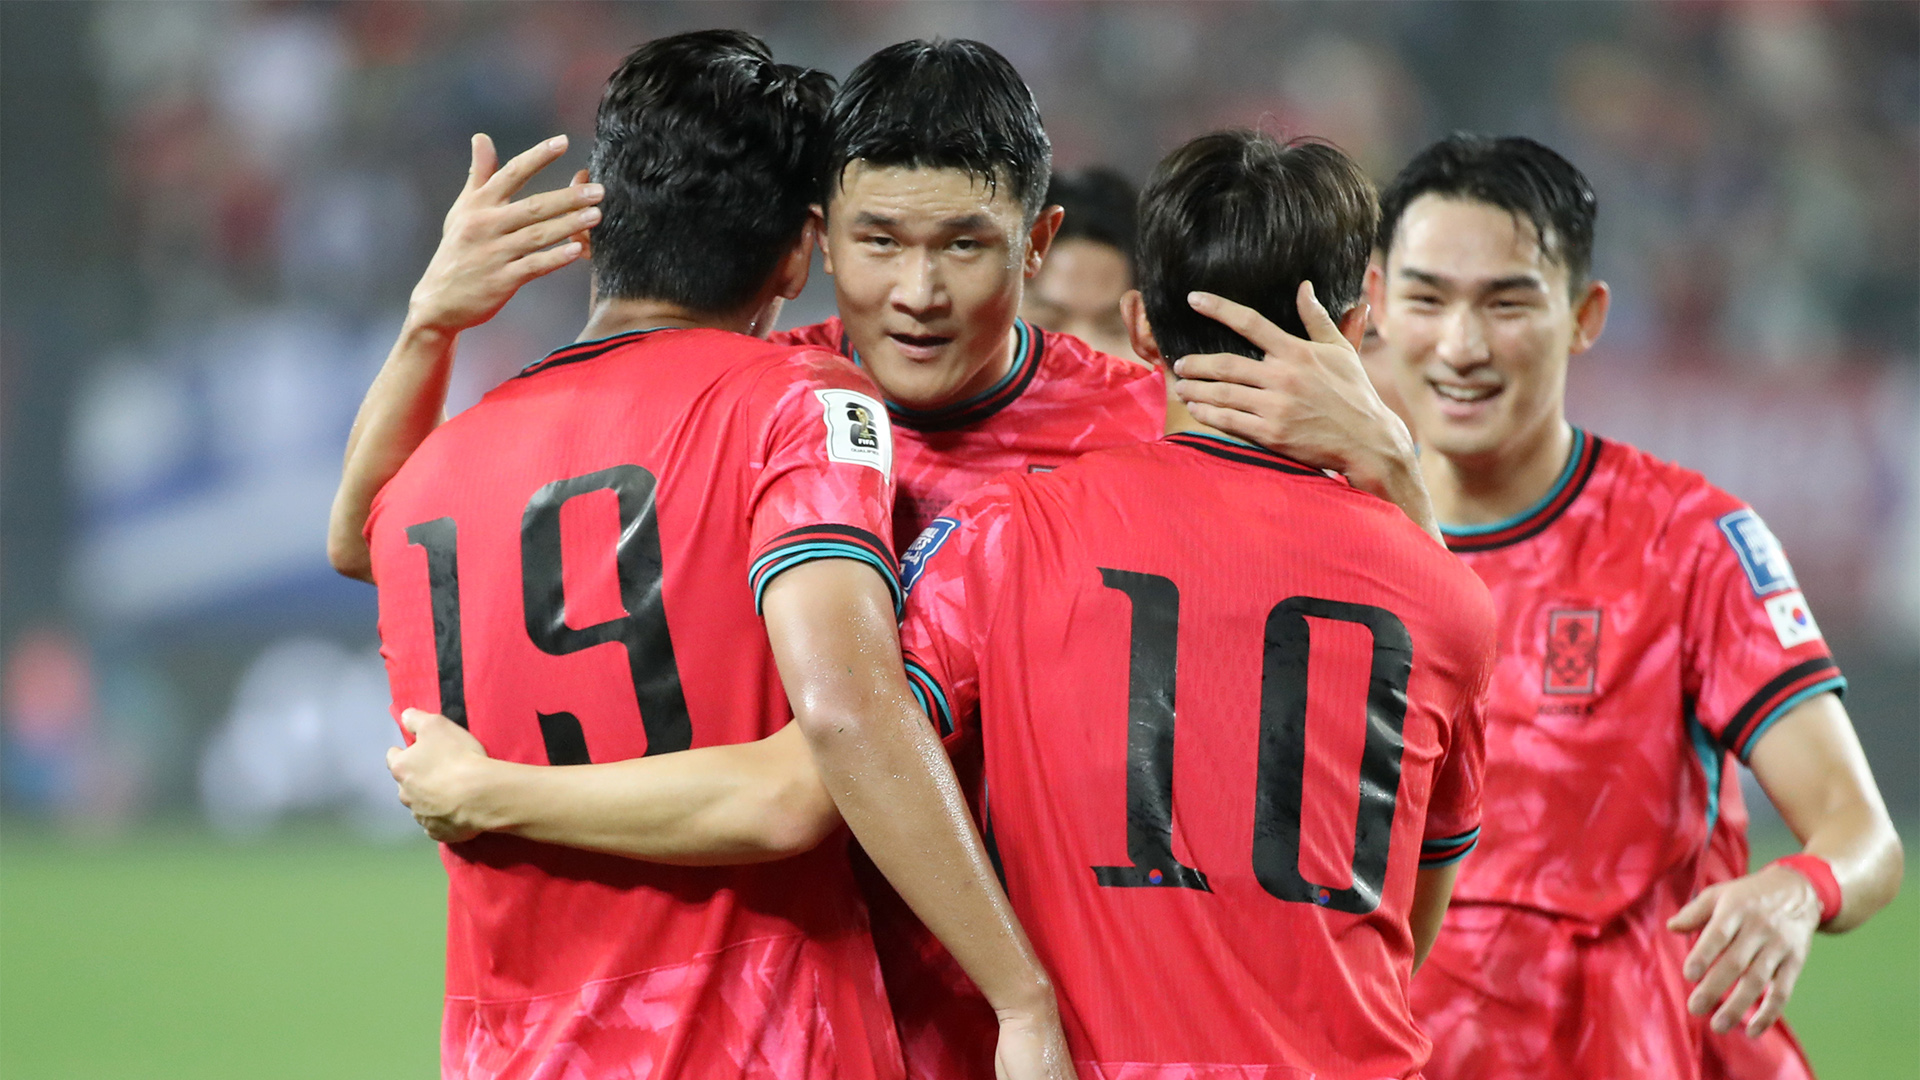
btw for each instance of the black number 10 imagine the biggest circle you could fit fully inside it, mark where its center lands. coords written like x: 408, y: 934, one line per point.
x: 1278, y: 794
x: 642, y: 630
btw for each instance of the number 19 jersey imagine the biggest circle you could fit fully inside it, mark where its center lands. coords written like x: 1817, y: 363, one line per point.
x: 1227, y: 706
x: 572, y: 569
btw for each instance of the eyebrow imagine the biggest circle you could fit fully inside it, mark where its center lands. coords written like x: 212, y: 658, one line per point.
x: 964, y: 223
x: 1511, y: 281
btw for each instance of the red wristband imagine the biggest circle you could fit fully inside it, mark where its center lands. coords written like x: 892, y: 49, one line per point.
x: 1815, y: 870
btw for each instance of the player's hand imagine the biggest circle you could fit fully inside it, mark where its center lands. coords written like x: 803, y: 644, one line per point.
x: 491, y: 244
x: 1310, y: 399
x: 1757, y: 932
x: 1032, y: 1047
x: 439, y: 775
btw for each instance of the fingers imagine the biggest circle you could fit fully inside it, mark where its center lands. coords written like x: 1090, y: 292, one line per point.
x: 507, y: 182
x: 1313, y: 315
x: 411, y: 719
x: 1223, y: 395
x: 542, y: 263
x: 1779, y: 992
x: 1731, y: 972
x: 1747, y: 992
x: 559, y: 205
x: 545, y: 233
x: 1694, y: 915
x: 1242, y: 320
x: 1720, y: 932
x: 1225, y: 367
x: 1240, y: 425
x: 485, y: 160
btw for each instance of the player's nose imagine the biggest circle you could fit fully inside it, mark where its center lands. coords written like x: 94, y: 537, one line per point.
x: 1463, y: 339
x: 918, y: 288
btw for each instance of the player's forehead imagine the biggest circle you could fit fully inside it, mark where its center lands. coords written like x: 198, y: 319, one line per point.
x: 916, y: 196
x: 1469, y: 245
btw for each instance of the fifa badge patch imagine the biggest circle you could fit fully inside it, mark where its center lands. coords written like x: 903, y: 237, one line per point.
x: 1573, y: 651
x: 914, y: 562
x: 858, y: 432
x: 1792, y: 622
x: 1759, y: 553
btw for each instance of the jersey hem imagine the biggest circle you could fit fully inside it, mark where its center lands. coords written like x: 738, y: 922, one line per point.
x: 1837, y: 685
x: 1772, y: 700
x: 811, y: 542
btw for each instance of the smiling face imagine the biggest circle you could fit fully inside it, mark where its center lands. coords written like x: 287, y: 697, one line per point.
x: 1480, y: 322
x: 928, y: 267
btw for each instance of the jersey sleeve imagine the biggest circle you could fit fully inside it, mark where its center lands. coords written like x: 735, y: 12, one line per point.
x: 946, y: 573
x: 823, y: 487
x: 1751, y: 650
x: 1453, y: 810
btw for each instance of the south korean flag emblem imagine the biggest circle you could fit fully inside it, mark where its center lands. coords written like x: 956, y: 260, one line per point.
x: 1792, y: 620
x: 858, y: 432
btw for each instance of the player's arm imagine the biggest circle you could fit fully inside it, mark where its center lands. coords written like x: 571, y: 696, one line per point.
x: 711, y: 806
x: 1309, y: 399
x: 1432, y: 891
x: 1755, y: 931
x: 831, y: 623
x: 489, y: 247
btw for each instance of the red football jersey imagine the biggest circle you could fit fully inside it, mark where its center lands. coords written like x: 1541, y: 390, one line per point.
x: 1650, y: 625
x: 1225, y: 893
x: 1060, y: 399
x: 572, y: 569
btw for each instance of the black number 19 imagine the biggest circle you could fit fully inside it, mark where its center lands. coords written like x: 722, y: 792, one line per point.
x: 1278, y: 794
x: 642, y: 630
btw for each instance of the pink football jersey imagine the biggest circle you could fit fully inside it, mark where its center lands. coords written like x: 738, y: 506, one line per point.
x: 572, y: 570
x: 1650, y: 626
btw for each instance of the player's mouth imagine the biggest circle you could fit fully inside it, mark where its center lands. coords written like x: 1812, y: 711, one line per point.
x: 1463, y: 401
x: 921, y: 347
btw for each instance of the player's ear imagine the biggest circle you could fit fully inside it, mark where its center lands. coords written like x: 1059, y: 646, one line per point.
x: 791, y: 274
x: 1133, y: 310
x: 1374, y: 286
x: 1590, y: 315
x: 1353, y: 324
x: 819, y: 216
x: 1040, y: 236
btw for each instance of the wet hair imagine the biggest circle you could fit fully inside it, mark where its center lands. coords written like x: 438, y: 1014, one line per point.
x: 1241, y: 215
x: 942, y: 104
x: 1512, y: 173
x: 1101, y: 206
x: 710, y: 154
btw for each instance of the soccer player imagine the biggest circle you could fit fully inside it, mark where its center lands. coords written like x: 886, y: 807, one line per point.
x: 1228, y: 706
x: 933, y: 219
x: 1651, y: 630
x: 575, y: 569
x: 1090, y: 265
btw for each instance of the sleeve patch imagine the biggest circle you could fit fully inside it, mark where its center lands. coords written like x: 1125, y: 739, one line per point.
x: 858, y: 432
x: 1792, y: 620
x: 929, y: 541
x: 1759, y: 553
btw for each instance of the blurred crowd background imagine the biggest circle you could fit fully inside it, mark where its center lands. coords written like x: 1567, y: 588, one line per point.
x: 211, y: 215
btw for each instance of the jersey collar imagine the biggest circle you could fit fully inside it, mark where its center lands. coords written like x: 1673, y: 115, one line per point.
x: 1029, y: 342
x: 587, y: 350
x: 1529, y: 522
x: 1228, y: 448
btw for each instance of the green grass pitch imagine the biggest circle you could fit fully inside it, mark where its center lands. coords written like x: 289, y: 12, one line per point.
x: 161, y: 956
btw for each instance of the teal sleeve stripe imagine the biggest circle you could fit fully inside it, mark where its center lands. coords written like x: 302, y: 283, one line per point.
x: 1435, y: 864
x: 920, y: 696
x: 774, y: 563
x: 926, y: 687
x: 1835, y: 685
x: 1443, y: 842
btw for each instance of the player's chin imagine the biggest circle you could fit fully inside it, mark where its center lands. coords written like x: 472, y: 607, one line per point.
x: 918, y: 385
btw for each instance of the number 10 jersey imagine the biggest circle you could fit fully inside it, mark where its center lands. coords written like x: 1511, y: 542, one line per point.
x: 572, y: 569
x: 1226, y: 705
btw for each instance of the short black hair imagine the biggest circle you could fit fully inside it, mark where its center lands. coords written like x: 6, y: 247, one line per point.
x: 710, y: 154
x: 1101, y: 206
x: 942, y: 104
x: 1241, y: 215
x: 1512, y: 173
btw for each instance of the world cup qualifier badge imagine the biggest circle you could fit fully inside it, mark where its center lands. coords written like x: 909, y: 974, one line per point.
x: 1573, y: 651
x: 857, y: 429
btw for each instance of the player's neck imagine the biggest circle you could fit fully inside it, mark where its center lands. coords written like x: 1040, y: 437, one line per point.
x: 610, y: 316
x: 1179, y: 419
x: 1482, y: 489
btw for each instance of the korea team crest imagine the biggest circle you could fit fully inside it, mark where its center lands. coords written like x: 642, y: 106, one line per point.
x: 858, y: 432
x: 1573, y: 651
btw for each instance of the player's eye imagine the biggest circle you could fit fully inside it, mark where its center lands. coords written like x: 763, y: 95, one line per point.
x: 966, y: 243
x: 878, y: 240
